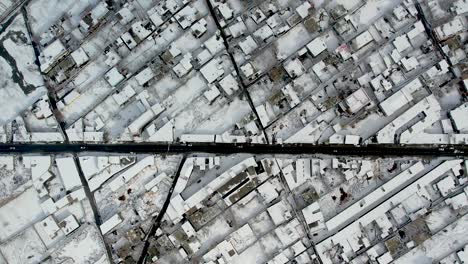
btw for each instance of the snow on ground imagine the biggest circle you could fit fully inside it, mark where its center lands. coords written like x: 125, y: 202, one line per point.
x: 18, y: 45
x: 24, y: 248
x: 224, y: 118
x: 86, y: 246
x: 440, y: 245
x: 253, y: 254
x: 12, y: 182
x: 438, y: 219
x: 87, y: 100
x: 185, y: 94
x: 4, y: 6
x: 20, y: 213
x: 372, y: 10
x: 292, y: 41
x: 19, y: 75
x: 242, y: 213
x: 214, y: 233
x: 42, y: 18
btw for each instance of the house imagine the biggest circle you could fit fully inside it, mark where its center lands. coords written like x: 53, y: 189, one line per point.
x: 356, y: 101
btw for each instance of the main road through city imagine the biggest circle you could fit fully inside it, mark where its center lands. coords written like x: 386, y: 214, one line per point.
x: 232, y: 148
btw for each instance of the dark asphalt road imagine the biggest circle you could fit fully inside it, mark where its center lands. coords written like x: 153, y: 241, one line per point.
x: 157, y: 220
x: 225, y: 148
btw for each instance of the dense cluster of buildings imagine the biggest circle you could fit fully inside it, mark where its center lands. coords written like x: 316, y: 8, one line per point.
x: 45, y: 214
x: 232, y: 209
x: 350, y: 72
x: 343, y: 72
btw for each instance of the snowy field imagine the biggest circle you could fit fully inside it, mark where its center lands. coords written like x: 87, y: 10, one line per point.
x: 21, y: 83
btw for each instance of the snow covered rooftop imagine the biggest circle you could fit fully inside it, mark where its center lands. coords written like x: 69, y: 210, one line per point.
x: 51, y: 54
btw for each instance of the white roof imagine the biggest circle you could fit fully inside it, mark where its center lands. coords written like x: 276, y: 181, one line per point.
x: 131, y: 172
x: 79, y: 56
x: 155, y: 181
x: 362, y: 40
x: 463, y: 254
x: 395, y: 102
x: 263, y: 114
x: 417, y: 29
x: 174, y: 50
x: 458, y: 201
x: 290, y: 93
x: 238, y: 28
x: 313, y: 214
x: 123, y: 96
x: 429, y: 105
x: 93, y: 136
x: 69, y: 224
x: 126, y: 14
x: 155, y: 17
x: 374, y: 198
x: 343, y: 235
x: 114, y: 77
x: 461, y: 6
x: 51, y: 54
x: 179, y: 206
x: 257, y: 16
x: 357, y: 100
x: 136, y: 126
x: 294, y: 68
x: 352, y: 139
x: 128, y: 40
x: 110, y: 224
x: 247, y: 69
x: 385, y: 258
x: 46, y: 137
x: 186, y: 17
x: 459, y: 117
x: 197, y: 138
x: 75, y: 196
x: 212, y: 93
x: 199, y: 28
x: 400, y: 12
x: 267, y: 191
x: 212, y: 70
x: 289, y: 233
x: 242, y: 238
x: 446, y: 185
x: 99, y: 11
x: 410, y: 63
x: 204, y: 56
x: 9, y: 163
x: 264, y: 32
x: 303, y: 9
x: 225, y: 10
x: 68, y: 172
x: 248, y: 45
x: 450, y: 28
x: 316, y: 46
x: 142, y: 29
x: 214, y: 44
x: 48, y: 230
x: 401, y: 43
x: 279, y: 212
x: 227, y: 138
x: 188, y: 229
x: 318, y: 68
x: 229, y: 84
x: 144, y: 76
x: 184, y: 65
x: 303, y: 172
x: 164, y: 134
